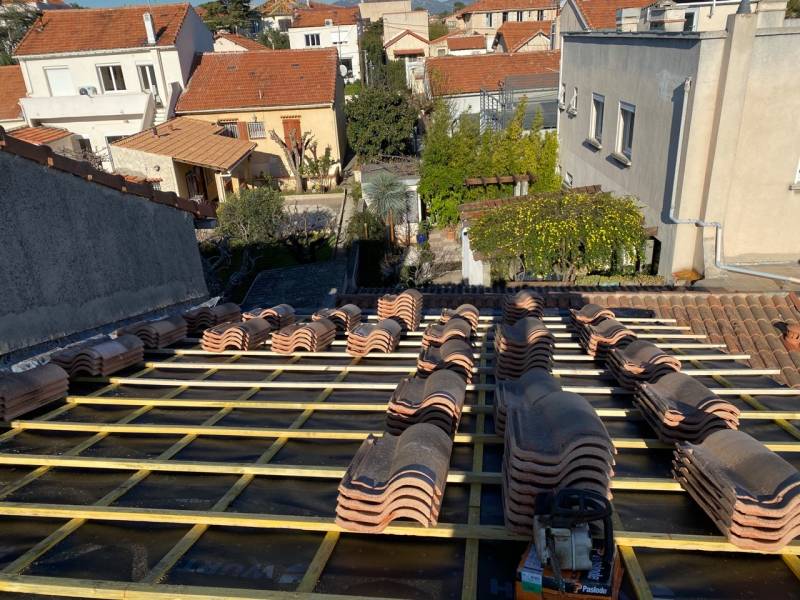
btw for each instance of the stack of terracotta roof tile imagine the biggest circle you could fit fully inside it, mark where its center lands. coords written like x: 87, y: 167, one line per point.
x: 751, y: 493
x: 680, y: 408
x: 201, y: 318
x: 455, y: 355
x: 313, y: 337
x: 159, y: 333
x: 525, y: 303
x: 589, y: 314
x: 527, y: 344
x: 640, y: 361
x: 28, y: 390
x: 381, y: 337
x: 101, y: 358
x: 599, y: 338
x: 529, y: 388
x: 438, y: 400
x: 455, y: 328
x: 464, y: 311
x: 247, y: 335
x: 405, y: 307
x: 395, y: 477
x: 553, y: 442
x: 278, y: 316
x: 346, y: 318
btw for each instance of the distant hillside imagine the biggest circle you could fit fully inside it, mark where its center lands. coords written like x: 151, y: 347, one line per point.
x: 434, y: 7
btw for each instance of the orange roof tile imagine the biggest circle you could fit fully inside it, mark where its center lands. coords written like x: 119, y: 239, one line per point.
x: 232, y: 80
x: 242, y: 41
x: 40, y: 135
x: 275, y: 8
x: 316, y: 17
x: 602, y: 14
x: 466, y: 42
x: 468, y: 74
x: 518, y: 33
x: 12, y: 88
x: 190, y: 141
x: 83, y: 30
x: 403, y: 34
x: 410, y: 52
x: 500, y: 5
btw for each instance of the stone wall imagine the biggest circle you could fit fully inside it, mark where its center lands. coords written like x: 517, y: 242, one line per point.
x: 76, y: 255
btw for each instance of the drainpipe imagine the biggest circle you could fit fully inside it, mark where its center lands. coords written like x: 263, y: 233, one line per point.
x: 719, y: 261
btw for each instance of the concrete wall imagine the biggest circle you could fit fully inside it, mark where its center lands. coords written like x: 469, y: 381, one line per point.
x: 128, y: 161
x: 375, y: 10
x: 396, y: 22
x: 78, y: 255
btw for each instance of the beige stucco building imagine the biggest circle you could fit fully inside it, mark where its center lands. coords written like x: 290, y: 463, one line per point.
x: 374, y: 10
x: 702, y: 127
x: 486, y: 16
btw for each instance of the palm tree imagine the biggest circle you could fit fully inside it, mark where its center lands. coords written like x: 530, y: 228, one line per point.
x: 387, y: 197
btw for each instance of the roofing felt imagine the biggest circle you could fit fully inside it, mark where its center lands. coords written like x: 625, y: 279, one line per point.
x: 317, y: 16
x: 466, y: 42
x: 12, y: 88
x: 242, y: 41
x: 602, y: 14
x: 231, y: 80
x: 501, y: 5
x: 60, y: 31
x: 40, y: 135
x: 518, y: 33
x: 451, y: 75
x: 191, y: 141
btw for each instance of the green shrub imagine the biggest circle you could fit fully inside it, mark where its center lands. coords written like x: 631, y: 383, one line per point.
x: 252, y: 216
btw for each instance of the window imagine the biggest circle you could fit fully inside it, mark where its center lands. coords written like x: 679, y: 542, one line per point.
x: 489, y: 19
x: 627, y: 114
x: 312, y: 39
x: 85, y: 146
x: 441, y: 52
x: 598, y: 103
x: 347, y: 63
x: 256, y: 131
x: 283, y: 25
x: 111, y: 78
x: 230, y: 128
x: 60, y: 81
x: 505, y: 17
x: 291, y: 131
x: 689, y: 22
x: 519, y: 15
x: 540, y: 15
x: 147, y: 78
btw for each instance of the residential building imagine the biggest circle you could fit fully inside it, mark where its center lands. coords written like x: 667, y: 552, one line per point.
x: 108, y: 73
x: 191, y: 157
x: 374, y: 10
x: 289, y: 92
x: 279, y: 14
x: 491, y: 85
x: 233, y: 42
x: 486, y: 16
x: 329, y: 26
x: 458, y: 43
x: 525, y: 36
x: 12, y: 88
x: 397, y: 22
x: 701, y: 127
x: 408, y: 46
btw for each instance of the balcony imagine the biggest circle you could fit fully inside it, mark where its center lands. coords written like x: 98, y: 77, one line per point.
x: 100, y: 106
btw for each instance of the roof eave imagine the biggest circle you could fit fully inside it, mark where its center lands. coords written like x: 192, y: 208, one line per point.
x: 97, y: 52
x: 249, y: 108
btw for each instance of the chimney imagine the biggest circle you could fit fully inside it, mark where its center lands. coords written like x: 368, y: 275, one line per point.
x: 149, y: 29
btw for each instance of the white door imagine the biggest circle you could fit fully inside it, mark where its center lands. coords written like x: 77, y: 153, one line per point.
x: 60, y: 81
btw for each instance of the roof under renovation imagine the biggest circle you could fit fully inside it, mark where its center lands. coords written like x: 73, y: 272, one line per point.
x: 193, y: 473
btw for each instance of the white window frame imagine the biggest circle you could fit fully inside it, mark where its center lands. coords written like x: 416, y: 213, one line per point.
x: 140, y: 69
x: 593, y: 133
x: 110, y: 67
x: 310, y: 37
x: 230, y: 127
x: 256, y: 130
x: 58, y: 68
x: 623, y: 150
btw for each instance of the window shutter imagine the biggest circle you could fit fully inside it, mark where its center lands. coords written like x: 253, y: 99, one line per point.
x: 242, y: 127
x: 291, y: 126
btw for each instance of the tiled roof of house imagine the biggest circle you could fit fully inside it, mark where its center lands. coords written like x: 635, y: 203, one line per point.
x: 518, y: 33
x: 500, y: 5
x: 12, y: 88
x: 467, y: 42
x: 40, y: 135
x: 403, y: 34
x: 60, y: 31
x: 242, y: 41
x: 232, y: 80
x: 410, y: 52
x: 316, y: 17
x: 277, y: 8
x: 602, y: 14
x: 451, y: 75
x: 190, y: 141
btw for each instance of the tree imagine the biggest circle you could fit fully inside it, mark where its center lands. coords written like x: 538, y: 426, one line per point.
x: 388, y: 199
x: 15, y: 22
x: 379, y: 121
x: 793, y: 9
x: 457, y: 6
x: 272, y: 38
x: 232, y: 15
x: 252, y: 216
x: 437, y: 29
x: 294, y: 149
x: 319, y: 167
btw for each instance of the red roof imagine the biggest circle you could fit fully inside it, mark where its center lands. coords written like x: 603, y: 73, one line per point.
x: 59, y: 31
x: 403, y: 34
x: 12, y: 88
x: 236, y: 80
x: 501, y: 5
x: 410, y: 52
x: 517, y: 33
x: 316, y: 17
x: 40, y: 135
x: 242, y: 41
x: 451, y: 75
x: 285, y: 8
x: 602, y: 14
x: 466, y: 42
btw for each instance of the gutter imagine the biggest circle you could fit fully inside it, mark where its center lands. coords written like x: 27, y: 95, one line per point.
x: 719, y: 259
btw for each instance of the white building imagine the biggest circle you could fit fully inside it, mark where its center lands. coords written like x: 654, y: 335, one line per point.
x: 329, y: 26
x: 108, y: 73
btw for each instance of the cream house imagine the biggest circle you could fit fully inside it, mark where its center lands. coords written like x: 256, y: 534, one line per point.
x: 486, y: 16
x: 525, y: 36
x: 108, y: 73
x: 289, y: 92
x: 407, y: 46
x: 374, y: 10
